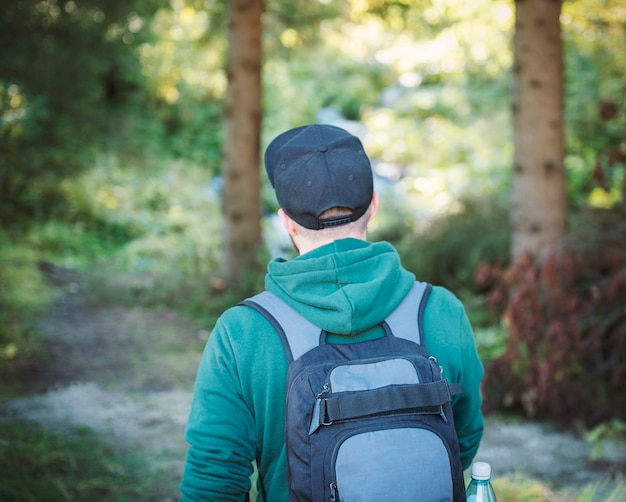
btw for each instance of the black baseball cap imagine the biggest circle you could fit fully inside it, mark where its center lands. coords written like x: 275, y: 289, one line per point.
x: 315, y: 167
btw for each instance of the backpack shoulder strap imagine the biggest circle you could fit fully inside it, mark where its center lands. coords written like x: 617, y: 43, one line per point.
x: 298, y: 334
x: 403, y: 323
x: 407, y: 322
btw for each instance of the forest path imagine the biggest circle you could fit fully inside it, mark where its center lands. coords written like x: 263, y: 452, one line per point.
x: 127, y: 373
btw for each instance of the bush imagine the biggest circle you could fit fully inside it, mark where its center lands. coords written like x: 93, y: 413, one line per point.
x: 23, y: 296
x: 23, y: 293
x: 453, y: 247
x: 566, y: 352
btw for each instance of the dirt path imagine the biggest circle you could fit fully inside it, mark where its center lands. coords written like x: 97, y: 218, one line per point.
x: 128, y: 373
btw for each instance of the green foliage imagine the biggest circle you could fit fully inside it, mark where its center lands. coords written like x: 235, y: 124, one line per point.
x: 65, y: 75
x: 23, y: 295
x: 79, y: 242
x: 567, y: 330
x: 520, y: 488
x: 297, y: 22
x: 491, y: 340
x: 158, y: 242
x: 183, y: 65
x: 38, y: 464
x: 139, y: 234
x: 606, y: 491
x: 450, y: 250
x: 612, y: 430
x: 194, y: 131
x: 595, y: 58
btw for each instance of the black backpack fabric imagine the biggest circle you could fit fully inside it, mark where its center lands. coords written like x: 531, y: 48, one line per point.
x: 367, y: 421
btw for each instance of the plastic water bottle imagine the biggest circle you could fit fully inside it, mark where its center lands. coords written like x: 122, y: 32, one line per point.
x: 480, y: 489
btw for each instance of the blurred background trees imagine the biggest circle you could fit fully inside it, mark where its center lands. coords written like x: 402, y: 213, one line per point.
x: 241, y: 193
x: 112, y: 144
x: 70, y: 77
x: 538, y: 195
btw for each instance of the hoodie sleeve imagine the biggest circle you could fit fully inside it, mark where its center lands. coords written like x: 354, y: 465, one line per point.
x: 448, y: 336
x: 468, y: 418
x: 220, y: 429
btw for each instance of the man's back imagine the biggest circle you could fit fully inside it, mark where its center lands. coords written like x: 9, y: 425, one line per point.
x: 347, y: 288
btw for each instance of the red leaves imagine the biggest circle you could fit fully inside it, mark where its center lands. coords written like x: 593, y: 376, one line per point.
x: 567, y: 340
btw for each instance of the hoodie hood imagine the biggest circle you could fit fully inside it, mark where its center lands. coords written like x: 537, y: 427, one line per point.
x: 345, y: 287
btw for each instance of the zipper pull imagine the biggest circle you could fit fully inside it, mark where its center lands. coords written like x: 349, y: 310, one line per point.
x: 434, y: 360
x: 333, y: 492
x: 324, y: 419
x: 325, y: 390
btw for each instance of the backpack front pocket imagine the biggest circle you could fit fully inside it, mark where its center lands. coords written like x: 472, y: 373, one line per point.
x: 405, y: 463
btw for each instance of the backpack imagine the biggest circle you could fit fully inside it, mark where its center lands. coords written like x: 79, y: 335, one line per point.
x: 366, y: 421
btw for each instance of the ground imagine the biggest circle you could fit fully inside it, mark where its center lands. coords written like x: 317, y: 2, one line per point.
x: 128, y: 374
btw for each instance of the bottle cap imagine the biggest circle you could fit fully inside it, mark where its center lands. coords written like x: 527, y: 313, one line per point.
x: 481, y: 470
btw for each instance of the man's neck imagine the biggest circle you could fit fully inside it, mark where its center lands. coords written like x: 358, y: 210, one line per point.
x: 304, y: 246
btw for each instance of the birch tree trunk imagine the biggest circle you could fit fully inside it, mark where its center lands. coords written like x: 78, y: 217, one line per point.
x: 539, y: 203
x: 242, y: 131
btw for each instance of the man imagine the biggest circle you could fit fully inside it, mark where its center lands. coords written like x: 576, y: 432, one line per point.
x: 342, y: 284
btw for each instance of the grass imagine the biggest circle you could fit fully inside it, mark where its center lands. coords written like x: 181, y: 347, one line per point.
x: 38, y: 464
x: 519, y: 488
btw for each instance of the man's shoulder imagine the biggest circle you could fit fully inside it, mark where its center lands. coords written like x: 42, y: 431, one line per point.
x: 241, y: 316
x: 248, y: 334
x: 441, y: 297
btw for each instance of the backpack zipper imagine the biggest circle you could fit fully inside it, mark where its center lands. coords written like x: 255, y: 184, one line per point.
x: 333, y: 492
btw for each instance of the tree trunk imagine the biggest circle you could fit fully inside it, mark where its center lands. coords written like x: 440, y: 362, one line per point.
x: 242, y: 131
x: 539, y: 202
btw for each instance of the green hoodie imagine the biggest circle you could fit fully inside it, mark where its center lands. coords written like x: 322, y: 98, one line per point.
x: 346, y: 288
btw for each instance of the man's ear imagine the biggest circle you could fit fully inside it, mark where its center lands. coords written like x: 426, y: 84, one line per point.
x: 373, y: 206
x: 288, y: 223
